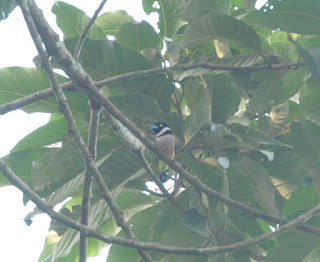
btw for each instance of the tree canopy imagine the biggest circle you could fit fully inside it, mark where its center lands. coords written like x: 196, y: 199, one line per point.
x: 239, y: 88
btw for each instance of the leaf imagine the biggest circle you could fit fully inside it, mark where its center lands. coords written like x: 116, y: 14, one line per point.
x: 225, y: 99
x: 295, y: 246
x: 293, y: 16
x: 102, y: 59
x: 6, y: 7
x: 139, y: 36
x: 131, y: 203
x: 16, y: 83
x: 311, y: 58
x: 111, y: 22
x: 200, y: 116
x: 189, y: 10
x: 21, y: 163
x: 46, y: 135
x: 263, y: 188
x: 302, y: 200
x: 196, y: 222
x: 169, y: 23
x: 310, y: 101
x: 219, y: 26
x: 72, y: 21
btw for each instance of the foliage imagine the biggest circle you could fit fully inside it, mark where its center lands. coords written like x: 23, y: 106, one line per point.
x: 265, y: 123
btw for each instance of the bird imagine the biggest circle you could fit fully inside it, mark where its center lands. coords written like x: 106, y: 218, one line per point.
x: 165, y: 140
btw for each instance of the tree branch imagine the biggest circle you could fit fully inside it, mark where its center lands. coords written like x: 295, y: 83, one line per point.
x: 16, y: 181
x: 126, y: 137
x: 159, y: 183
x: 84, y: 34
x: 95, y: 109
x: 64, y: 108
x: 69, y: 86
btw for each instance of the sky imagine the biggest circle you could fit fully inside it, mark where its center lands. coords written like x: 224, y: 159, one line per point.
x: 18, y: 241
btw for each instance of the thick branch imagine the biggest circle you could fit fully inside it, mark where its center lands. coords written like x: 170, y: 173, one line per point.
x: 64, y: 108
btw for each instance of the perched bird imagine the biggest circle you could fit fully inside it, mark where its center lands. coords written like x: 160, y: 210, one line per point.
x: 166, y: 143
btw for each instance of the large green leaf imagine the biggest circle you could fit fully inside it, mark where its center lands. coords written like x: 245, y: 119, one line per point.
x: 310, y: 101
x: 72, y: 21
x: 130, y: 202
x: 220, y: 26
x: 302, y: 200
x: 301, y: 17
x: 103, y: 59
x: 16, y: 83
x: 46, y: 135
x: 139, y: 36
x: 264, y: 190
x: 200, y: 116
x: 225, y: 97
x: 111, y: 22
x: 189, y: 10
x: 21, y: 163
x: 295, y: 246
x: 169, y: 23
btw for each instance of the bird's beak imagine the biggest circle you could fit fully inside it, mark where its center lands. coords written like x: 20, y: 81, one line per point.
x: 153, y: 127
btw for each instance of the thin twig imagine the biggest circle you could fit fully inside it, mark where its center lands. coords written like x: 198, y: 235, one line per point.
x: 84, y: 34
x: 95, y: 109
x: 159, y: 183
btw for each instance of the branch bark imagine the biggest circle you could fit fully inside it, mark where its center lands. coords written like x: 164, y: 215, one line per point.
x: 95, y: 109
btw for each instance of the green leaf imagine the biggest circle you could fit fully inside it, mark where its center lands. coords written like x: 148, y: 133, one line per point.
x: 301, y: 17
x: 310, y: 101
x: 295, y: 246
x: 21, y: 163
x: 72, y: 21
x: 195, y: 221
x: 46, y: 135
x: 220, y: 26
x: 6, y: 7
x: 16, y: 83
x: 111, y: 22
x: 102, y: 59
x: 139, y: 36
x: 225, y: 99
x: 189, y: 10
x: 200, y: 116
x: 311, y: 59
x: 264, y: 190
x: 169, y: 23
x: 301, y: 201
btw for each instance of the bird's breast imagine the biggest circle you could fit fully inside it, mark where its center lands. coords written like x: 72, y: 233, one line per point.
x: 166, y: 145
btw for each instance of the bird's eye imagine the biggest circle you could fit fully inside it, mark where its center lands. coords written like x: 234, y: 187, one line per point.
x: 161, y: 125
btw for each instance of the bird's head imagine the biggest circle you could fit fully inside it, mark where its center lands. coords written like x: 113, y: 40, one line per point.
x: 160, y: 129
